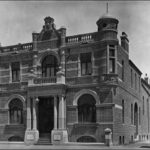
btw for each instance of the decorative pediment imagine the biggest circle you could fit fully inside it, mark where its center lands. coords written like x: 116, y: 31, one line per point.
x: 49, y: 30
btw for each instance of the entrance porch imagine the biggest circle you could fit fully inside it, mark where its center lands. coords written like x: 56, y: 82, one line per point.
x: 46, y: 115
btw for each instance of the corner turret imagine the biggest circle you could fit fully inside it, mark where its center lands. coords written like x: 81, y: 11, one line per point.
x: 107, y: 27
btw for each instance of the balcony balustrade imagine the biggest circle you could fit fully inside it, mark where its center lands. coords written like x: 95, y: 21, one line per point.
x: 81, y: 38
x: 45, y: 80
x: 18, y: 47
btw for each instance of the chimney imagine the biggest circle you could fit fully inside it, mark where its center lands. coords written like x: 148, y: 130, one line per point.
x: 125, y: 41
x: 146, y: 78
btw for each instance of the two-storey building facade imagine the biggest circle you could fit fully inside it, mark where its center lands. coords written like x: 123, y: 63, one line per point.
x: 70, y: 88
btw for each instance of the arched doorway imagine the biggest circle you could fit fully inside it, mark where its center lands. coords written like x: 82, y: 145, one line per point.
x: 49, y: 66
x: 86, y: 109
x: 136, y: 118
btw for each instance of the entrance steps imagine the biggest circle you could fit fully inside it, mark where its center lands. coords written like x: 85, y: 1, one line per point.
x: 44, y: 139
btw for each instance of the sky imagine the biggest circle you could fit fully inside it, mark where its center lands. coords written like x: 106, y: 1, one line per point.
x: 19, y: 19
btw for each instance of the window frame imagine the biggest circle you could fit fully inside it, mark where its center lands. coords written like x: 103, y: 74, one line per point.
x: 86, y: 70
x: 15, y: 72
x: 112, y: 59
x: 15, y: 112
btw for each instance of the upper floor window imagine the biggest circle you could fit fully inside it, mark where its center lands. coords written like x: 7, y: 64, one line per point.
x: 86, y: 64
x: 135, y: 81
x: 49, y: 66
x: 15, y: 67
x: 131, y: 113
x: 122, y: 71
x: 16, y: 111
x: 139, y: 116
x: 122, y: 111
x: 131, y: 78
x: 143, y: 106
x: 111, y: 59
x: 139, y: 84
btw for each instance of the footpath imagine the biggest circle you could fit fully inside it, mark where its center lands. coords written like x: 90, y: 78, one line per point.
x: 71, y: 146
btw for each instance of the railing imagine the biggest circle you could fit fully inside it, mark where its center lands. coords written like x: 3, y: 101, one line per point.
x: 83, y: 38
x: 15, y: 48
x: 44, y: 80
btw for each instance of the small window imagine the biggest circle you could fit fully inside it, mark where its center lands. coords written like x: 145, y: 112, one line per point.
x: 111, y: 65
x: 135, y: 81
x: 139, y: 116
x: 122, y: 70
x: 122, y: 111
x: 143, y: 106
x: 131, y: 78
x: 112, y: 52
x: 104, y: 25
x: 112, y: 58
x: 86, y: 64
x: 15, y: 67
x: 131, y: 113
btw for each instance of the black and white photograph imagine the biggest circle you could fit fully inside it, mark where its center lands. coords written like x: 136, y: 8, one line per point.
x: 74, y: 75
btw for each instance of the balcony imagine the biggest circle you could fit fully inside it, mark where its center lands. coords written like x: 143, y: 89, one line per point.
x: 50, y: 80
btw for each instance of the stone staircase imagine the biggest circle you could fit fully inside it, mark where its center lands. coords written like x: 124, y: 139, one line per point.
x: 44, y: 139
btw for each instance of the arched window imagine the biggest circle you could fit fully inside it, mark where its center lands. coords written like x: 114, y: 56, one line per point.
x: 86, y: 108
x: 16, y: 111
x: 49, y: 66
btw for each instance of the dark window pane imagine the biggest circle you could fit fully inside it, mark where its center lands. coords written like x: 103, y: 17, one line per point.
x: 111, y: 65
x: 86, y: 109
x: 15, y: 67
x: 86, y: 64
x: 111, y: 52
x: 49, y: 66
x: 15, y: 111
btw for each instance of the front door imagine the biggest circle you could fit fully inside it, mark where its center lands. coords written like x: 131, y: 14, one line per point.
x: 46, y: 114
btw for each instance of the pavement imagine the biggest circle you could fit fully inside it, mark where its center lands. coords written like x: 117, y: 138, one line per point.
x: 73, y: 146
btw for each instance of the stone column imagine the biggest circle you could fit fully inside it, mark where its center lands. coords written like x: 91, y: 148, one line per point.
x: 28, y: 115
x: 60, y: 135
x: 55, y: 113
x: 28, y: 136
x: 31, y: 134
x: 36, y: 132
x: 34, y: 114
x: 61, y: 112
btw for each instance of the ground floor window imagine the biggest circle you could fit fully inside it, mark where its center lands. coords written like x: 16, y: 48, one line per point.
x: 86, y: 109
x: 16, y: 112
x: 86, y: 139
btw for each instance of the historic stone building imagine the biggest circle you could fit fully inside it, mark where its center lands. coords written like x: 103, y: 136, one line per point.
x: 63, y: 89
